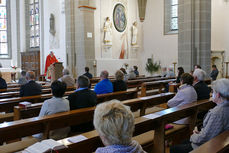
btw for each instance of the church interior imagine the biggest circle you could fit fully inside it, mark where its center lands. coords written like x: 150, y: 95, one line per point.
x: 48, y: 39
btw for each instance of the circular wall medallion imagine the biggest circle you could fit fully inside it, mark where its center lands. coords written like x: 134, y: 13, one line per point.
x: 119, y: 17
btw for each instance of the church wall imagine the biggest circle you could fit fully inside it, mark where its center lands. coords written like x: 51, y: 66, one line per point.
x: 108, y: 59
x: 58, y: 46
x: 164, y: 48
x: 220, y: 24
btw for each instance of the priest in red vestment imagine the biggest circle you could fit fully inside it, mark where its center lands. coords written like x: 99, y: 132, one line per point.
x: 50, y: 59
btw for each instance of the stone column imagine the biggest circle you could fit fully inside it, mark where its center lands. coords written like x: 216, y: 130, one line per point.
x: 194, y: 38
x: 80, y: 36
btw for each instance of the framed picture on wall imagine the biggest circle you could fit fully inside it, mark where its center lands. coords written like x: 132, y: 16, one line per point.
x: 119, y: 17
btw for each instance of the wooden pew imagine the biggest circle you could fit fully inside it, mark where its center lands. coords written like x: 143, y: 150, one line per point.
x: 137, y: 83
x: 18, y: 88
x: 154, y: 85
x: 7, y: 105
x: 219, y: 144
x: 14, y: 85
x: 143, y: 125
x: 173, y: 87
x: 135, y: 104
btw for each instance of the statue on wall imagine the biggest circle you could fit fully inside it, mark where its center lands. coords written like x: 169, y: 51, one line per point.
x: 134, y: 34
x: 52, y: 29
x: 107, y: 32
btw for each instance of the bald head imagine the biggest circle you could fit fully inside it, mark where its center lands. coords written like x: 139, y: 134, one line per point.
x: 30, y: 75
x: 104, y: 75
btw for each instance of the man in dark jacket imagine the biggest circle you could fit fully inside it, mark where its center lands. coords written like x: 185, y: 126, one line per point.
x: 202, y: 90
x: 83, y: 97
x: 31, y: 88
x: 214, y: 72
x: 3, y: 84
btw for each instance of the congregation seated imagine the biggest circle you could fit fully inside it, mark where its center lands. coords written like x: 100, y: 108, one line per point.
x: 31, y: 88
x: 67, y: 78
x: 215, y: 122
x: 131, y: 74
x: 22, y: 80
x: 202, y: 90
x: 136, y: 70
x: 119, y: 84
x: 125, y: 74
x: 83, y: 97
x: 180, y: 72
x: 170, y: 73
x: 55, y: 105
x: 105, y: 85
x: 186, y: 93
x: 115, y: 124
x: 3, y: 84
x: 87, y: 74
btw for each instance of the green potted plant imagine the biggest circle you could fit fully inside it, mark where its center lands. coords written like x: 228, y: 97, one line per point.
x: 152, y: 66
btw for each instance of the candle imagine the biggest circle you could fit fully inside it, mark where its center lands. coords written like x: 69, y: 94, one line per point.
x: 94, y: 62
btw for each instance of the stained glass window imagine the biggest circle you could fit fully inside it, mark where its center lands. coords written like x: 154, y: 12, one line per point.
x: 4, y: 51
x: 174, y: 15
x: 34, y: 24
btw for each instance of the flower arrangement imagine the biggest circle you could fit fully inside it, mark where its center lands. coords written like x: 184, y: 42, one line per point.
x: 152, y: 66
x: 14, y: 67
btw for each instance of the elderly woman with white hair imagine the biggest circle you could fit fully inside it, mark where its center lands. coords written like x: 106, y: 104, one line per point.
x: 215, y: 122
x: 202, y: 90
x: 115, y: 124
x: 131, y: 74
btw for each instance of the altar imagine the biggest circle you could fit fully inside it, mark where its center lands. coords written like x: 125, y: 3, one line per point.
x: 10, y: 74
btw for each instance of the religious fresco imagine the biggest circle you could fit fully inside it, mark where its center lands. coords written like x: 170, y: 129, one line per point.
x: 119, y: 18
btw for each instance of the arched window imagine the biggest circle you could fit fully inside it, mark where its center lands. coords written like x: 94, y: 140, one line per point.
x: 171, y: 16
x: 174, y: 15
x: 4, y: 29
x: 34, y: 23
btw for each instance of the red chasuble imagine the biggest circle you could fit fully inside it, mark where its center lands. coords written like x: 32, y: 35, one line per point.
x: 50, y: 59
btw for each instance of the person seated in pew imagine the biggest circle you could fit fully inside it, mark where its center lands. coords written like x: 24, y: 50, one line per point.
x: 186, y: 93
x: 67, y: 78
x: 214, y: 72
x: 83, y: 97
x: 115, y: 124
x: 87, y: 74
x: 22, y: 80
x: 170, y: 72
x: 202, y: 90
x: 215, y: 122
x: 163, y: 72
x: 136, y: 70
x: 31, y: 88
x: 131, y: 74
x: 105, y: 85
x: 125, y: 74
x: 119, y: 84
x: 55, y: 105
x: 3, y: 84
x: 180, y: 72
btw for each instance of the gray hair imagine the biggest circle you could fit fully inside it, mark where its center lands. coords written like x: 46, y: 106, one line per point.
x: 83, y: 81
x: 30, y: 75
x: 66, y: 72
x: 115, y: 122
x: 221, y: 86
x: 200, y: 74
x: 104, y: 74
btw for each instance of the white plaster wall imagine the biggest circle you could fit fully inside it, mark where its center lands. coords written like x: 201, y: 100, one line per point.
x: 163, y: 47
x: 54, y: 6
x: 220, y: 26
x: 104, y: 8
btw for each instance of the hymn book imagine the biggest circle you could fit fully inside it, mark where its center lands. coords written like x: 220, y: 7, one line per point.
x: 44, y: 146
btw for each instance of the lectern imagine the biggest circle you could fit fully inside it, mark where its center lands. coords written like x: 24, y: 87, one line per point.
x: 56, y: 71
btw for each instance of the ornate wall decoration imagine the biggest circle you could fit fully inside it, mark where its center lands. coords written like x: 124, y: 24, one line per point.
x: 119, y: 17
